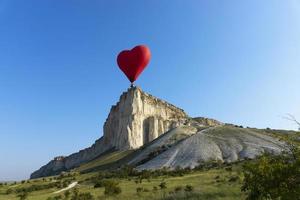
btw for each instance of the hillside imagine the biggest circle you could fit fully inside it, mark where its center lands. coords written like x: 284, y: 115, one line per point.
x: 195, y: 147
x: 213, y: 180
x: 149, y: 133
x: 135, y: 120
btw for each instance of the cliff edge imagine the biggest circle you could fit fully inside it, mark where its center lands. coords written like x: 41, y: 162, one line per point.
x: 137, y: 119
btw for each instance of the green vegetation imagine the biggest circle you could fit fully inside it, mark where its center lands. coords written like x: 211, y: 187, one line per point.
x: 105, y: 161
x: 273, y: 177
x: 138, y: 185
x: 269, y: 177
x: 23, y: 195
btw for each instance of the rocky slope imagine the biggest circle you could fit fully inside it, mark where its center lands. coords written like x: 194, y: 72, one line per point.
x: 220, y: 143
x: 135, y: 120
x: 165, y: 136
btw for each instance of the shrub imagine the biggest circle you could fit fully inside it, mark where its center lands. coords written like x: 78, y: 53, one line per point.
x: 58, y: 197
x: 163, y: 185
x: 105, y: 182
x: 188, y: 188
x: 233, y: 178
x: 154, y: 189
x: 85, y: 196
x: 67, y: 194
x: 9, y: 191
x: 178, y: 189
x: 98, y: 185
x: 81, y: 196
x: 32, y: 188
x: 23, y: 195
x: 273, y: 177
x: 139, y: 190
x: 112, y: 188
x: 229, y: 169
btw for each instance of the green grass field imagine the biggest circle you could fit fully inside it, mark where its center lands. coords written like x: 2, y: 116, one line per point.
x: 208, y: 184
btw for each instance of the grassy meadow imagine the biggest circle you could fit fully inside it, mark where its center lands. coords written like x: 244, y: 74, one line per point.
x: 218, y: 183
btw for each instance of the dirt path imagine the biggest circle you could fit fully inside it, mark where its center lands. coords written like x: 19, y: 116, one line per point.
x: 67, y: 188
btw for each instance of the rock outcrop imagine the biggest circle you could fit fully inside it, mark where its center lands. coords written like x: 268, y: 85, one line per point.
x: 221, y: 143
x: 135, y: 120
x: 61, y: 163
x: 138, y: 118
x: 169, y: 137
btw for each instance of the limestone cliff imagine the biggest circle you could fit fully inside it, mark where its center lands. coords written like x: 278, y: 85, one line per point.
x: 135, y: 120
x: 138, y: 118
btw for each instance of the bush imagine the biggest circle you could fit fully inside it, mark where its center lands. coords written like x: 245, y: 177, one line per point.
x: 163, y: 185
x: 139, y: 190
x: 112, y: 188
x: 104, y: 183
x: 85, y: 196
x: 178, y: 189
x: 100, y: 184
x: 9, y: 191
x: 23, y: 195
x: 188, y: 188
x: 58, y: 197
x: 273, y: 177
x: 32, y: 188
x: 233, y: 178
x: 67, y: 194
x: 81, y: 196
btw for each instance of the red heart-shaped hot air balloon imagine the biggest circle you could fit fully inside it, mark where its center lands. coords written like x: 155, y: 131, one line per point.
x: 133, y: 62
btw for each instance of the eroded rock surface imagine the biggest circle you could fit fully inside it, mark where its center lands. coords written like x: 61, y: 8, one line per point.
x: 168, y: 137
x: 138, y: 118
x: 220, y: 143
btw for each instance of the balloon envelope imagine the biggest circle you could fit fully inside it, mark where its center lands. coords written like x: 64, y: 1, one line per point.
x: 133, y: 62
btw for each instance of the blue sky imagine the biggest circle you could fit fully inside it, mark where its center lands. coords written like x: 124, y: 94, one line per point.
x: 235, y: 61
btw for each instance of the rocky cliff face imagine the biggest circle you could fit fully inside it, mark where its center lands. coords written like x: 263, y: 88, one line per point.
x: 138, y: 118
x: 135, y: 120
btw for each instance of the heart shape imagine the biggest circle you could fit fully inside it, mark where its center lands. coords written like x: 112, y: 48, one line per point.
x: 133, y: 62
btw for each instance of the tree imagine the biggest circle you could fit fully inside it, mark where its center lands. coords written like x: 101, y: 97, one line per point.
x: 273, y: 177
x: 293, y: 119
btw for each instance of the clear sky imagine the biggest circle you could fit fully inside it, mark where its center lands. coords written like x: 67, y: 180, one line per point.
x: 235, y: 61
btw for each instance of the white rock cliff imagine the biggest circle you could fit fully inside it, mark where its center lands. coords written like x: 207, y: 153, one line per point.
x: 135, y: 120
x: 138, y: 118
